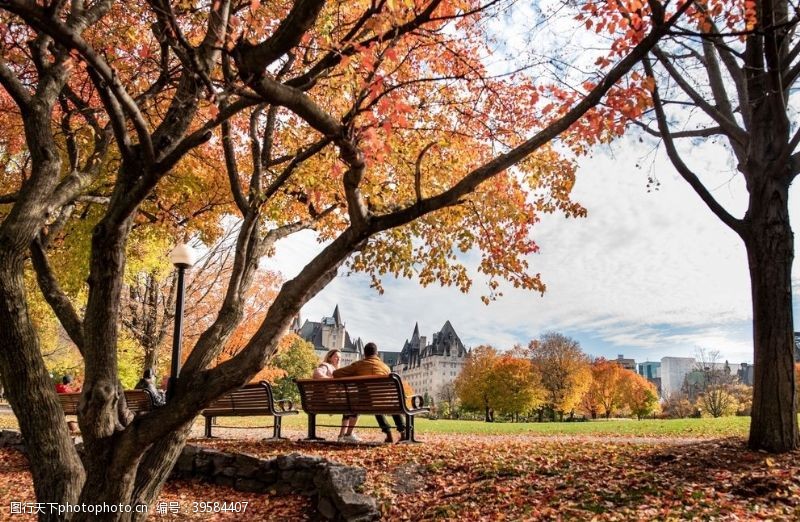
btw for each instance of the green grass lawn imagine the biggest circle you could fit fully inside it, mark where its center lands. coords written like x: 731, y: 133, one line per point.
x: 701, y: 428
x: 705, y: 427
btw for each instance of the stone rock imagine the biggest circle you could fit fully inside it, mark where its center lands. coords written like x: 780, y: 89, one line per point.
x: 333, y: 486
x: 12, y: 439
x: 303, y: 482
x: 247, y: 466
x: 251, y: 485
x: 326, y: 509
x: 355, y: 507
x: 287, y: 461
x: 222, y: 461
x: 202, y: 464
x: 222, y: 480
x: 338, y: 483
x: 268, y: 477
x: 185, y: 462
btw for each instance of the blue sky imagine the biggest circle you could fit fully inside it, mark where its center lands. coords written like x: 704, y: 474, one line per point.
x: 646, y: 274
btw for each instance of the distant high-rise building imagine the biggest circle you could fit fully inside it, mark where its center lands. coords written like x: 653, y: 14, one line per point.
x: 746, y: 374
x: 628, y: 364
x: 649, y: 370
x: 673, y: 374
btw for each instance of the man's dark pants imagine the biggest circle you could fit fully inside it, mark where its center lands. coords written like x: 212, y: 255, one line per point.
x: 398, y: 421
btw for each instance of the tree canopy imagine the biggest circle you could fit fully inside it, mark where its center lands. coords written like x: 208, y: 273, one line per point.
x: 375, y: 123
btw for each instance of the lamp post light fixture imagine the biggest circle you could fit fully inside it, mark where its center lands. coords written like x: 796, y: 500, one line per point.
x: 182, y: 257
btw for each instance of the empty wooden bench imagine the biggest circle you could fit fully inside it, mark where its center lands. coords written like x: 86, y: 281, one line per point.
x: 371, y: 395
x: 255, y: 399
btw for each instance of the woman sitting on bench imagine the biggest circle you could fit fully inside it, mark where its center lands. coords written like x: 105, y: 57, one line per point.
x: 325, y: 371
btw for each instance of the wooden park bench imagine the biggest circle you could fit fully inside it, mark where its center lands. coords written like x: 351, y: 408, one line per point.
x: 139, y: 401
x: 255, y: 399
x: 373, y: 395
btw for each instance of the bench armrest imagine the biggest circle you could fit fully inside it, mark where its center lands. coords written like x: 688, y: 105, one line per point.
x: 284, y: 404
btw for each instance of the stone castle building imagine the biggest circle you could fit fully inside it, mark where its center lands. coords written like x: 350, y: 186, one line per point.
x: 427, y: 367
x: 328, y: 334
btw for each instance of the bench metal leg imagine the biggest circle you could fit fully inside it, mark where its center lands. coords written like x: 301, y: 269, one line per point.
x: 312, y: 427
x: 408, y: 435
x: 276, y: 428
x: 208, y: 427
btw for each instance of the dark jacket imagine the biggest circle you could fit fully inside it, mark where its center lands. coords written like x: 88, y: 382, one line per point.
x: 155, y: 393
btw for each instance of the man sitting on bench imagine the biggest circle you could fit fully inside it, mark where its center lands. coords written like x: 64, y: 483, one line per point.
x: 372, y: 365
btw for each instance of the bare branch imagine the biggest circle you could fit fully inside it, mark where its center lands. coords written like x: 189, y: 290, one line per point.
x: 252, y: 60
x: 332, y: 59
x: 735, y: 132
x: 56, y: 297
x: 468, y: 183
x: 200, y: 136
x: 71, y: 39
x: 794, y: 163
x: 232, y: 169
x: 697, y: 133
x: 11, y: 83
x: 682, y: 168
x: 418, y: 171
x: 299, y: 158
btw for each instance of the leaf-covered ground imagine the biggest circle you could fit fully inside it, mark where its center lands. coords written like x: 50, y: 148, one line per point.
x: 471, y: 477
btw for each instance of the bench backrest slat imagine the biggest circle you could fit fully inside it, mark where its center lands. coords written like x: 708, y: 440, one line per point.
x: 374, y: 394
x: 137, y: 400
x: 250, y: 399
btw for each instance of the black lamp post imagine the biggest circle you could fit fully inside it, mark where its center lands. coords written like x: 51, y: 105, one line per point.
x: 182, y: 258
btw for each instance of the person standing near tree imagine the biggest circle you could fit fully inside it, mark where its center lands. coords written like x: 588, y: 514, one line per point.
x: 372, y: 365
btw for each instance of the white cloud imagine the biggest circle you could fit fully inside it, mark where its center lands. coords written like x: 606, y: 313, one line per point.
x: 646, y: 274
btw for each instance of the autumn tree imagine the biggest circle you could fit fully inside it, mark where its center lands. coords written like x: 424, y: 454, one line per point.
x: 638, y: 394
x: 376, y: 124
x: 447, y: 399
x: 297, y: 361
x: 743, y: 395
x: 716, y: 383
x: 474, y: 385
x: 516, y: 386
x: 606, y: 388
x: 678, y: 406
x: 727, y: 77
x: 564, y: 371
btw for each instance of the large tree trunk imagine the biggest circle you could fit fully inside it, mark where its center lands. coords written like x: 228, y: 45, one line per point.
x: 155, y: 468
x: 770, y: 252
x: 57, y: 471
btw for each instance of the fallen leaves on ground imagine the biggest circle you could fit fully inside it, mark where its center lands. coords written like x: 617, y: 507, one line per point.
x: 532, y: 478
x: 513, y: 478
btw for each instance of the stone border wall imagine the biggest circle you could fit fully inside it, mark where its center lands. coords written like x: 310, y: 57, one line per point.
x: 332, y: 486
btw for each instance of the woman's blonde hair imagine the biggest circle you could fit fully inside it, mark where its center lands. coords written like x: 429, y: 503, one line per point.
x: 327, y: 358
